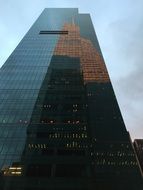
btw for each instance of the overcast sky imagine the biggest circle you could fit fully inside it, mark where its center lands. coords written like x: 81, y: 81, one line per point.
x: 119, y: 28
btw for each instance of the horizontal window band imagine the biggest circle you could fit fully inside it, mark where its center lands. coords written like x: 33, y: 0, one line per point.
x: 53, y: 32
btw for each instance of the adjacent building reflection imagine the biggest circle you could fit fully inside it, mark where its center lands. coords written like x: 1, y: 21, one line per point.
x: 75, y: 137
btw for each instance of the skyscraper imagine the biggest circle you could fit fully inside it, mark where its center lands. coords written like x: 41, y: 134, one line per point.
x: 60, y: 124
x: 138, y: 145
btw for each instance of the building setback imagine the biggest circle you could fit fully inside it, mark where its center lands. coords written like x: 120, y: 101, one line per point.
x: 60, y: 123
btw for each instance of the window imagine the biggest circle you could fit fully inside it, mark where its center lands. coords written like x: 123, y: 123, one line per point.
x: 71, y: 152
x: 70, y: 170
x: 39, y: 170
x: 53, y: 32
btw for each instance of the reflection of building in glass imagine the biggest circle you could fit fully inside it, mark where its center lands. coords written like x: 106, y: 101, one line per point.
x: 73, y: 45
x: 60, y: 124
x: 138, y: 145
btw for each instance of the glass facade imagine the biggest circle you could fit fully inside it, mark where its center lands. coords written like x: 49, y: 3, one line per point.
x: 60, y: 124
x: 138, y: 145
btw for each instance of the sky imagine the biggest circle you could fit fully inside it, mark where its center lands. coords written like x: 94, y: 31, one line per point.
x: 119, y: 28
